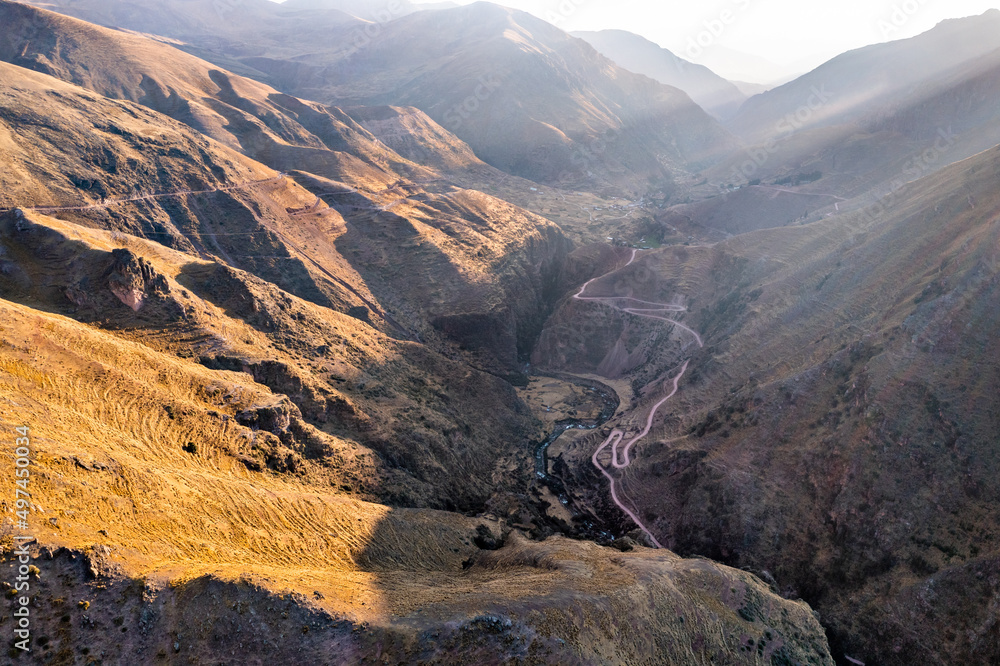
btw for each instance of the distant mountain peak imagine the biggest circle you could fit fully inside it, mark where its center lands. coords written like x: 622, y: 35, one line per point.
x: 638, y: 54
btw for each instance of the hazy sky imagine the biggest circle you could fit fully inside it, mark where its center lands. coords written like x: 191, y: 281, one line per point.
x: 795, y: 35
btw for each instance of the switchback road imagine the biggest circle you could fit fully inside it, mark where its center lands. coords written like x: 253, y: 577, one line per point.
x: 621, y: 455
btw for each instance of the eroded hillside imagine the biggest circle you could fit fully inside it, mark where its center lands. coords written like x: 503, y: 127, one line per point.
x: 182, y: 509
x: 429, y: 258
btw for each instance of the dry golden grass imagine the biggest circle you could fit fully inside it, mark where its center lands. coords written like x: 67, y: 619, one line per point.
x: 110, y: 471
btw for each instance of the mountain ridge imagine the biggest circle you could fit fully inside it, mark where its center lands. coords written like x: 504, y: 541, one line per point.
x: 635, y: 53
x: 597, y: 144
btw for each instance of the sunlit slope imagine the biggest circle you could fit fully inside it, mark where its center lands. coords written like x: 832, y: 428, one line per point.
x: 420, y: 412
x: 69, y: 148
x: 291, y: 237
x: 139, y: 464
x: 274, y: 128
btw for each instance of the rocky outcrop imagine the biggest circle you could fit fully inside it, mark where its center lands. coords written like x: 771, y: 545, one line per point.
x: 132, y: 279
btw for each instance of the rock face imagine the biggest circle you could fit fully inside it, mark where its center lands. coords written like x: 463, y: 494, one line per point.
x: 133, y: 279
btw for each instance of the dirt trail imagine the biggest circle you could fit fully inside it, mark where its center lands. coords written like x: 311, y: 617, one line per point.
x: 620, y: 458
x: 277, y: 179
x: 807, y: 194
x: 639, y: 312
x: 146, y: 197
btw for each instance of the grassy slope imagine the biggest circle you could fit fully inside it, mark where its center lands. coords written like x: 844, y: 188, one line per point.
x: 417, y: 409
x: 110, y: 479
x: 167, y: 533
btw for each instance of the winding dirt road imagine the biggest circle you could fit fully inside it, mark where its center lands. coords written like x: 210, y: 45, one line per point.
x: 807, y: 194
x: 621, y: 455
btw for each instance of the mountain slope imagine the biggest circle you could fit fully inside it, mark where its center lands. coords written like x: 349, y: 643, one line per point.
x: 234, y: 20
x: 244, y: 251
x: 854, y: 83
x: 544, y: 126
x: 220, y: 417
x: 443, y: 233
x: 154, y: 538
x: 860, y: 127
x: 572, y: 117
x: 637, y: 54
x: 838, y: 428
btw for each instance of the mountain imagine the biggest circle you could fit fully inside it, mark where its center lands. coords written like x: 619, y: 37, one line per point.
x: 254, y: 416
x: 637, y: 54
x: 247, y: 292
x: 160, y: 528
x: 584, y: 118
x: 528, y: 98
x: 834, y: 430
x: 368, y: 10
x: 580, y: 114
x: 191, y: 19
x: 738, y: 65
x: 857, y: 128
x: 443, y: 232
x: 751, y: 89
x: 312, y: 359
x: 853, y: 85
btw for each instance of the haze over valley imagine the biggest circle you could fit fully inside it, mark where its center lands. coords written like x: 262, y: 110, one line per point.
x: 347, y: 332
